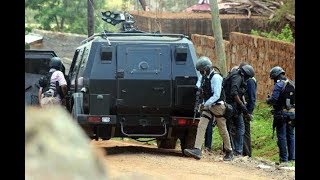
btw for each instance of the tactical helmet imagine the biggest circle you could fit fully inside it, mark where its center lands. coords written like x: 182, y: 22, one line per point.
x: 203, y: 63
x: 247, y: 70
x: 56, y: 63
x: 276, y: 71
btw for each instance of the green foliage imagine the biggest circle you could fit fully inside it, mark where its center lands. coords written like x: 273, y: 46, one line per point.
x: 285, y: 34
x: 287, y: 8
x: 26, y: 46
x: 62, y: 15
x: 27, y: 30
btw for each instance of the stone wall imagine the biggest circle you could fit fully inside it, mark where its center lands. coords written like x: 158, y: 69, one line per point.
x: 261, y: 53
x: 194, y: 23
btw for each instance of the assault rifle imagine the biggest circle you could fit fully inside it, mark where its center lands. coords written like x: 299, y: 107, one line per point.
x: 198, y: 103
x: 199, y: 100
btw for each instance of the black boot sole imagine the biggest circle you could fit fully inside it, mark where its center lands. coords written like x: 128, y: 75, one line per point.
x: 187, y: 153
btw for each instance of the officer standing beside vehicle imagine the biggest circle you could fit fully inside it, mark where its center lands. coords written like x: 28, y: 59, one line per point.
x: 283, y: 102
x: 235, y: 88
x: 211, y: 84
x: 53, y: 86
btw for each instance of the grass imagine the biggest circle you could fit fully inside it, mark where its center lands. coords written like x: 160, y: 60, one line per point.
x: 261, y: 134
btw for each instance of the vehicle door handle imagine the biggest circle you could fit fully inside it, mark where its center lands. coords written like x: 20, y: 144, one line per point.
x: 158, y: 88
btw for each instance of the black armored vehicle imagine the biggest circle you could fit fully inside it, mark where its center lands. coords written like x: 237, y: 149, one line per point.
x: 36, y: 66
x: 135, y: 84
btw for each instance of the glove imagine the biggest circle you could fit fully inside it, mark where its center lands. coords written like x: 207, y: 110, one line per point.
x: 244, y: 109
x: 248, y: 117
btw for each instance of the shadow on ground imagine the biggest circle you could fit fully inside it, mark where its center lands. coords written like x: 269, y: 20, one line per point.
x: 138, y: 150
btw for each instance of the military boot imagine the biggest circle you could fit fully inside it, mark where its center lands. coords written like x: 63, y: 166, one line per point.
x: 228, y: 156
x: 195, y: 152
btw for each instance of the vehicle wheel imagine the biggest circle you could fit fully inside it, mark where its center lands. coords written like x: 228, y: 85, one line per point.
x: 189, y: 139
x: 167, y: 143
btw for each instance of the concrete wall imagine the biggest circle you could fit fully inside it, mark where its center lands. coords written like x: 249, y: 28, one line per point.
x: 261, y: 53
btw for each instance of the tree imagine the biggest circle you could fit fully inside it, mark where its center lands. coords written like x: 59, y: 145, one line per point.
x: 63, y: 15
x: 217, y: 32
x: 90, y: 17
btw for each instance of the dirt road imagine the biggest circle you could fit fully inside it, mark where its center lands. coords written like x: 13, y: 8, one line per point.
x: 135, y: 160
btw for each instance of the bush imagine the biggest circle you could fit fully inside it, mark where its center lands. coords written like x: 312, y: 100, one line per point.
x: 285, y: 34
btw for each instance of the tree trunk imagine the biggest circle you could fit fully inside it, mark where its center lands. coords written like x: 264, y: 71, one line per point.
x: 90, y: 18
x: 217, y: 32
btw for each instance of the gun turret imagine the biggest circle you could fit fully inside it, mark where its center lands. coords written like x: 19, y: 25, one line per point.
x: 117, y: 17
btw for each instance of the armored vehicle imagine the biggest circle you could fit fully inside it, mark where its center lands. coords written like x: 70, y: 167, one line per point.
x: 135, y: 84
x: 36, y: 66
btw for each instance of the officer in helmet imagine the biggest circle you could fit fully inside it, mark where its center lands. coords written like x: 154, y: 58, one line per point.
x: 53, y: 86
x: 282, y: 100
x: 235, y: 88
x: 210, y: 82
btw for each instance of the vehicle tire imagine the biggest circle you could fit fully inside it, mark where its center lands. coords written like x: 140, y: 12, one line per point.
x: 167, y: 143
x: 189, y: 139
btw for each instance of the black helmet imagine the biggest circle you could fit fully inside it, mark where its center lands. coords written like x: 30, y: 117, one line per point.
x: 203, y: 63
x: 247, y: 70
x: 55, y: 63
x: 276, y: 71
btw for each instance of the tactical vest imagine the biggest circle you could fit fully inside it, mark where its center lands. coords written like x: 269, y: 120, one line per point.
x: 206, y: 87
x: 287, y: 96
x: 227, y: 86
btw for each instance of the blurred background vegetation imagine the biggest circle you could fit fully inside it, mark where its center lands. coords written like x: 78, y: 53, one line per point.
x: 71, y: 16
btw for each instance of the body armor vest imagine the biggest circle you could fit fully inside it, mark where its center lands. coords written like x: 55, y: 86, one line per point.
x: 207, y: 90
x: 287, y: 96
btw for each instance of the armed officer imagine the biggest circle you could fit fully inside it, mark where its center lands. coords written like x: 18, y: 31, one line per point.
x: 210, y: 82
x: 282, y: 100
x: 235, y: 88
x: 53, y: 88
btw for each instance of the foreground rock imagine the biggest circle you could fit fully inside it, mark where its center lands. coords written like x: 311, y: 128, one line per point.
x: 57, y: 148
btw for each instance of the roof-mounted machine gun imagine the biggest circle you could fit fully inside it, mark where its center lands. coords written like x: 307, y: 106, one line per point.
x: 117, y: 17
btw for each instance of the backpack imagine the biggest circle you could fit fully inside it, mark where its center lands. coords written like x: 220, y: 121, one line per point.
x: 45, y: 82
x: 226, y: 84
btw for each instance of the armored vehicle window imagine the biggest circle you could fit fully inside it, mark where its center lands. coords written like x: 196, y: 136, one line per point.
x: 78, y: 62
x: 83, y: 61
x: 72, y: 66
x: 181, y: 54
x: 106, y: 54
